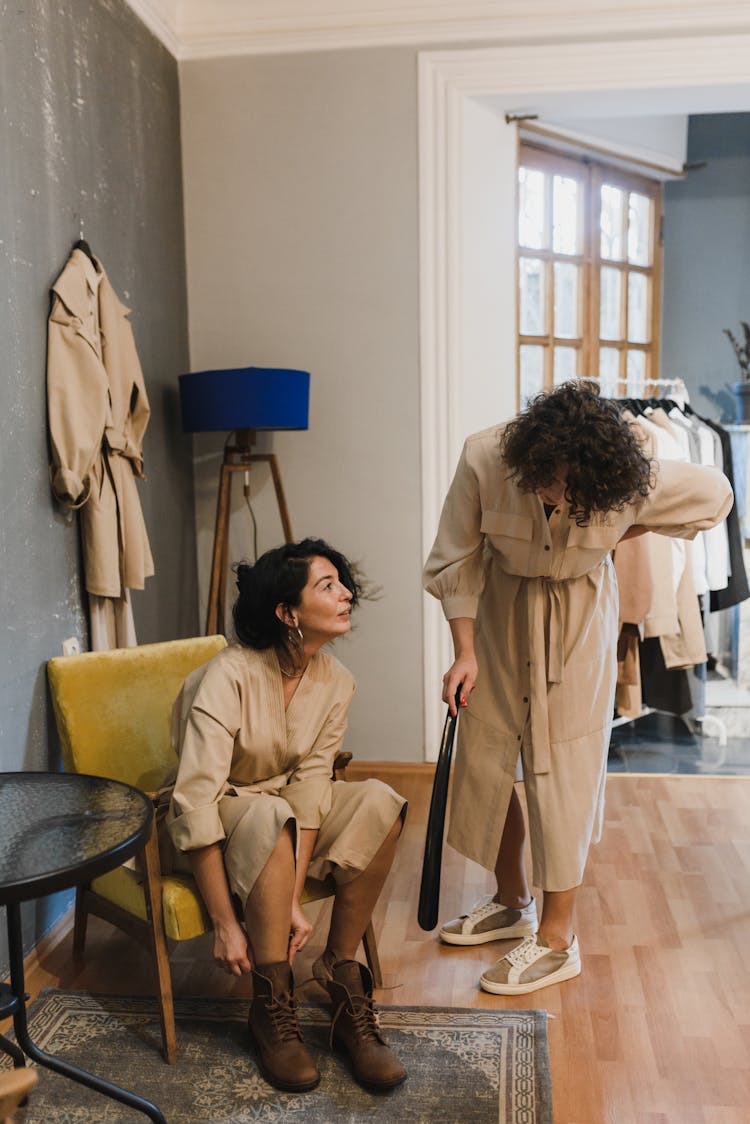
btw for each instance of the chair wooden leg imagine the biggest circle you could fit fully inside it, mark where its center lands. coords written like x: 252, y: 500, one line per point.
x: 80, y: 918
x: 159, y: 946
x: 371, y: 953
x: 15, y: 1086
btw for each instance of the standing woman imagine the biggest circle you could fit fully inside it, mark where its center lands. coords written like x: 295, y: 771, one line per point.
x: 255, y: 809
x: 522, y: 566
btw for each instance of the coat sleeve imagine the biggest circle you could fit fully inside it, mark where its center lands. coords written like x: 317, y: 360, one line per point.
x: 76, y: 406
x: 454, y: 571
x: 685, y: 499
x: 205, y: 722
x: 308, y: 790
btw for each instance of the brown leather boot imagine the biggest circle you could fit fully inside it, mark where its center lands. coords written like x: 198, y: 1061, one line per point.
x: 272, y: 1023
x: 355, y: 1027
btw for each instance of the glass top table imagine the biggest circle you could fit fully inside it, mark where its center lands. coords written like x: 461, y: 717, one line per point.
x: 57, y: 831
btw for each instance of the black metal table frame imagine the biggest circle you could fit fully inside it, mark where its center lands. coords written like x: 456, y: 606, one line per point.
x: 13, y: 1002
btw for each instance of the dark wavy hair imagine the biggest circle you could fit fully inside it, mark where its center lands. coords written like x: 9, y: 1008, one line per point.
x: 278, y: 577
x: 572, y: 426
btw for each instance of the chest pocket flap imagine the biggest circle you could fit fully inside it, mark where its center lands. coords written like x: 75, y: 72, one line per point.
x: 593, y: 538
x: 507, y: 525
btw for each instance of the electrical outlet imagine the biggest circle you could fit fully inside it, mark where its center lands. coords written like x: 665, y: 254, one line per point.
x: 71, y: 647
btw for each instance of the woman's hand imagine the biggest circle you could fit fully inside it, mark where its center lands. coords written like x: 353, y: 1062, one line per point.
x: 462, y: 673
x: 232, y: 950
x: 300, y: 930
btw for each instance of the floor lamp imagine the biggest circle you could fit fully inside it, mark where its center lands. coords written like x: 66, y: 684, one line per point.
x: 241, y: 400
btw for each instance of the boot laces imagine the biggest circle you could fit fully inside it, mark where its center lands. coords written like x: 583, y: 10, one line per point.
x: 283, y: 1016
x: 364, y: 1018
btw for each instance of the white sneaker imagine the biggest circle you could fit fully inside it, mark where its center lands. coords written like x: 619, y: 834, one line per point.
x: 531, y: 965
x: 489, y: 921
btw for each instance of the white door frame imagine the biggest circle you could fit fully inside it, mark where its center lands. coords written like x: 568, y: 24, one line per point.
x: 467, y: 178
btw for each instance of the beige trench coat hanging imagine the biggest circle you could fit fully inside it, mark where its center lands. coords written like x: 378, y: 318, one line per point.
x: 98, y: 412
x: 544, y: 596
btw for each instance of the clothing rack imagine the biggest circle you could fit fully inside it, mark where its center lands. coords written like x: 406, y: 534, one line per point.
x: 709, y: 725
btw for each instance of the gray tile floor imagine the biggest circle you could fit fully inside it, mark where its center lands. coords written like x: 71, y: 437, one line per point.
x: 662, y: 743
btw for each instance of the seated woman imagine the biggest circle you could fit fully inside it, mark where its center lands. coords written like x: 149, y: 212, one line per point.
x: 256, y: 811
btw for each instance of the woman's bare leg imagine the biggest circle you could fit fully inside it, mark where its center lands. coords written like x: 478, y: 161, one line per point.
x: 556, y: 924
x: 510, y: 867
x: 269, y: 906
x: 355, y: 900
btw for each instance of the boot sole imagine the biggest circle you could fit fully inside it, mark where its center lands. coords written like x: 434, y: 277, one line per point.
x: 522, y: 929
x: 283, y: 1086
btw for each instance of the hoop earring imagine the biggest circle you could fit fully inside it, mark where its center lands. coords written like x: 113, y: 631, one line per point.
x: 299, y: 633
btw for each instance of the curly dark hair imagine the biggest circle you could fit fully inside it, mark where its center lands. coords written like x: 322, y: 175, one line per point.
x: 278, y: 578
x: 572, y: 427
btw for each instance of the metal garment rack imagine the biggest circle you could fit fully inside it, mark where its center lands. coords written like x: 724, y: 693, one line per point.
x: 709, y: 725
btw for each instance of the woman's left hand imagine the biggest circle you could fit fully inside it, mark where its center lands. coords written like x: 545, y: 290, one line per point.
x: 300, y: 931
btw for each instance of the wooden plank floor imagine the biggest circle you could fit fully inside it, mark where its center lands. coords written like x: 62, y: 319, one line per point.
x: 656, y: 1030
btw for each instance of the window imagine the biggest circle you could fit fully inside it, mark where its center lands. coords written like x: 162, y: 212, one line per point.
x: 589, y: 273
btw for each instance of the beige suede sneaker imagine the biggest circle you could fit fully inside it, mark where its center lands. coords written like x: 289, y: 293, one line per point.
x: 531, y: 965
x: 487, y: 920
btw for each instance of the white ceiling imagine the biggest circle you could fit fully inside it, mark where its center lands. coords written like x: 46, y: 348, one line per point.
x: 211, y: 28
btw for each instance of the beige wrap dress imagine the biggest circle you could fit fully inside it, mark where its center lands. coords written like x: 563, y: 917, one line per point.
x: 543, y: 593
x: 247, y: 767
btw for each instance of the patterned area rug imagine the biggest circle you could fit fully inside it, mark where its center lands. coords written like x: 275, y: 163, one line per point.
x: 472, y: 1066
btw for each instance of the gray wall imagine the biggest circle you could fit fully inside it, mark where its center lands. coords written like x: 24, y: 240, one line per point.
x: 90, y: 128
x: 707, y: 261
x: 302, y: 249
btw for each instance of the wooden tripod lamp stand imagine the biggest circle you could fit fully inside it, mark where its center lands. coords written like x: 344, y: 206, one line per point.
x: 241, y: 400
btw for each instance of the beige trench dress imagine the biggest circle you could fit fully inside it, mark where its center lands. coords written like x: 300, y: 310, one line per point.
x: 247, y: 767
x: 544, y: 596
x: 98, y: 412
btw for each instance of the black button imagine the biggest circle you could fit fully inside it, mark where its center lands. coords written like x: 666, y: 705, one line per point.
x: 548, y: 548
x: 518, y: 737
x: 525, y: 698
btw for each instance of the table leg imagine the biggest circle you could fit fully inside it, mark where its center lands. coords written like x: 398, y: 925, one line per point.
x: 41, y: 1057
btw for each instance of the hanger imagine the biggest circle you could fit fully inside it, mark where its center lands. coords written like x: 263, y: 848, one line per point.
x: 81, y: 243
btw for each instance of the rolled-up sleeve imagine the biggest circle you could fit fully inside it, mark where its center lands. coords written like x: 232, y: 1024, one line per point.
x: 308, y: 790
x: 685, y: 499
x: 206, y: 744
x: 454, y: 571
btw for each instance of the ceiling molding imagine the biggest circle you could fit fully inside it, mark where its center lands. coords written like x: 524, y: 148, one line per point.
x: 160, y: 17
x: 193, y: 29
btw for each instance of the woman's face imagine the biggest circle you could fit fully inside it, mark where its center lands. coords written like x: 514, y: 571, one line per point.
x: 323, y: 611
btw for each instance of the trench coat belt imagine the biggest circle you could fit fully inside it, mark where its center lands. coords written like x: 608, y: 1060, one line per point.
x: 117, y: 442
x: 546, y: 662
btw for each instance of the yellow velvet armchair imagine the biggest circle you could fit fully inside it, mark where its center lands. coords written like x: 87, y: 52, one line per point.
x: 113, y: 713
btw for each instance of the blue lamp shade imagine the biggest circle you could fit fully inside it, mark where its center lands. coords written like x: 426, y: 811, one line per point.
x: 245, y: 398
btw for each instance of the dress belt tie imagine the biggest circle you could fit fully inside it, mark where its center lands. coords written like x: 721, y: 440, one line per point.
x: 119, y: 443
x: 543, y: 593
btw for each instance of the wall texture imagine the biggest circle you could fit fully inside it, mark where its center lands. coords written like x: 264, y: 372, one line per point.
x: 706, y: 261
x: 301, y: 236
x: 89, y: 133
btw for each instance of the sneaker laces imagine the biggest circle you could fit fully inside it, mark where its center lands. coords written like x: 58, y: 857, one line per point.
x: 525, y: 953
x: 482, y: 908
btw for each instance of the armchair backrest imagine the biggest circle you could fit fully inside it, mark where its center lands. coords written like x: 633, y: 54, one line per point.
x: 113, y: 709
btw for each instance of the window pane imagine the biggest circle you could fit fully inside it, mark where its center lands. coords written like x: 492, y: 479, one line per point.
x: 531, y: 222
x: 565, y: 233
x: 609, y: 316
x: 609, y: 366
x: 566, y: 300
x: 566, y: 366
x: 636, y: 371
x: 638, y: 308
x: 532, y: 371
x: 533, y: 319
x: 611, y: 222
x: 639, y: 229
